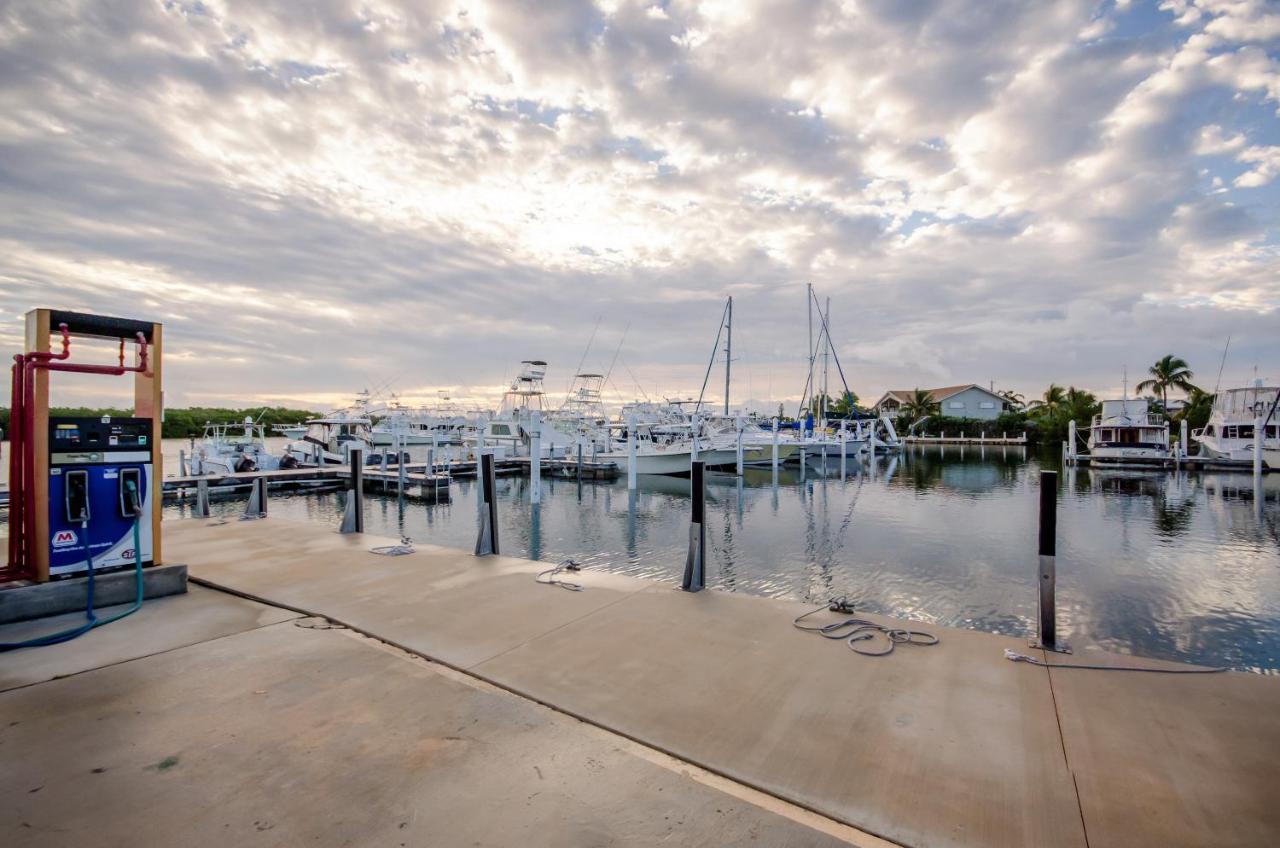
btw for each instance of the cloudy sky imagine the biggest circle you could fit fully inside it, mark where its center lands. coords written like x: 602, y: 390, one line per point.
x: 319, y: 197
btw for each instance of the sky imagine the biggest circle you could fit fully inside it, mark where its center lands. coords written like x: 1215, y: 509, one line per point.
x: 316, y: 198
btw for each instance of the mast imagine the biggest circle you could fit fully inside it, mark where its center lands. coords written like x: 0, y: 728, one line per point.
x: 811, y: 351
x: 826, y: 361
x: 728, y: 353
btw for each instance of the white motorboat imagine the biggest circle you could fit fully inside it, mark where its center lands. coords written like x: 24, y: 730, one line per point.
x: 1231, y: 428
x: 1126, y: 429
x: 226, y: 449
x: 329, y: 441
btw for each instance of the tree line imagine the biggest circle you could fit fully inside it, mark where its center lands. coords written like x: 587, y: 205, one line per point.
x: 188, y: 422
x: 1047, y: 418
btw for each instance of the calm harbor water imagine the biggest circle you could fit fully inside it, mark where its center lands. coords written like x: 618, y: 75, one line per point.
x: 1170, y: 565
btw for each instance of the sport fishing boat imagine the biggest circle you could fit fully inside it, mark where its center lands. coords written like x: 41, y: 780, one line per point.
x: 1127, y: 430
x: 226, y: 449
x: 329, y: 441
x: 1231, y: 429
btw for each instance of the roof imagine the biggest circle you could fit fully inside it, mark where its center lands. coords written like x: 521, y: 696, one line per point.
x: 938, y: 395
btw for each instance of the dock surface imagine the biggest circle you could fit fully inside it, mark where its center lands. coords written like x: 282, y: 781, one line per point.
x: 950, y: 745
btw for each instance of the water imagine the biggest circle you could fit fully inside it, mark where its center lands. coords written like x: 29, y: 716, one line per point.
x: 1160, y: 564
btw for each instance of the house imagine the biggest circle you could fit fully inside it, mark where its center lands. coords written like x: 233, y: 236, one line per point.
x: 967, y: 401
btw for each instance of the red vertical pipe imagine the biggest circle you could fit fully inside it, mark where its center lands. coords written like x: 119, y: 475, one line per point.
x: 17, y: 560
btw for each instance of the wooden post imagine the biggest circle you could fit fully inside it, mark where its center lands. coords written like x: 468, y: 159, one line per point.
x: 695, y: 560
x: 202, y: 499
x: 1046, y: 635
x: 487, y: 540
x: 353, y: 516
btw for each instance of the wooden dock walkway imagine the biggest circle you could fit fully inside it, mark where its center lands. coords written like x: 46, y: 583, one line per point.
x: 951, y: 745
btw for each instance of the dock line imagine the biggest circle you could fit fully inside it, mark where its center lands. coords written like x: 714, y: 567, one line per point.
x: 405, y: 547
x: 1014, y: 656
x: 855, y: 630
x: 550, y: 575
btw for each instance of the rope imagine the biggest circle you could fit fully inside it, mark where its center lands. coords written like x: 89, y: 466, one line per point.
x: 405, y: 547
x: 550, y: 575
x: 856, y: 630
x: 1017, y: 657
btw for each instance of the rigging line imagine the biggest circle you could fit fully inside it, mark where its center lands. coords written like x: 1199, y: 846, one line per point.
x: 809, y: 381
x: 834, y: 355
x: 1223, y: 364
x: 715, y: 348
x: 569, y: 391
x: 636, y: 381
x: 617, y: 351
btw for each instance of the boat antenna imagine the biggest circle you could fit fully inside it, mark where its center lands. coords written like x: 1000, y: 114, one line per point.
x: 715, y: 348
x: 1222, y: 365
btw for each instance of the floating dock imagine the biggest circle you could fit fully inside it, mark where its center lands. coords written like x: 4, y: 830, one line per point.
x: 997, y: 441
x: 319, y: 737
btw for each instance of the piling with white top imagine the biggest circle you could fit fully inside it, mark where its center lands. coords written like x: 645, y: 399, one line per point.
x: 631, y: 452
x: 1182, y: 439
x: 843, y: 447
x: 535, y: 457
x: 1258, y: 432
x: 738, y: 426
x: 1071, y: 441
x: 775, y: 445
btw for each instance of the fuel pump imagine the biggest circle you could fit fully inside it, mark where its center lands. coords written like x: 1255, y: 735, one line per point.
x: 84, y: 492
x: 98, y: 475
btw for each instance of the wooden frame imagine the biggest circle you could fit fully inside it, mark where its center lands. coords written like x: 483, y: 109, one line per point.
x: 148, y: 402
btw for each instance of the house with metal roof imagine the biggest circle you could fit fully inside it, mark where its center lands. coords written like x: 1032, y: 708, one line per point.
x: 966, y: 401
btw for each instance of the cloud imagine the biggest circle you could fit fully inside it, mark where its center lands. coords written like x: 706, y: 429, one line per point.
x: 319, y: 198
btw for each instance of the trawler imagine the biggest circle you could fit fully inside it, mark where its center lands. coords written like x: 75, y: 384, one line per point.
x: 1230, y: 433
x: 1128, y: 430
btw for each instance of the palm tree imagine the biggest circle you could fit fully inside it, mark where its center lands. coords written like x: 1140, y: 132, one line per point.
x: 1052, y: 400
x: 1015, y: 399
x: 920, y: 405
x: 1169, y: 372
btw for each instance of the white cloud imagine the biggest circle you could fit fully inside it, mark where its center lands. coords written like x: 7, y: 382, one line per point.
x: 442, y: 189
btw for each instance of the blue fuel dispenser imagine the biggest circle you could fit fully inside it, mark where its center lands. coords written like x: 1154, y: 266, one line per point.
x: 99, y: 488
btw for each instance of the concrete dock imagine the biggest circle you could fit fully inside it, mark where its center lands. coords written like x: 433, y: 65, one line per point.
x: 713, y: 721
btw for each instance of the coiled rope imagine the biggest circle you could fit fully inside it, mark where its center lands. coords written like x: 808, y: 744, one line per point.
x: 855, y: 631
x: 548, y: 577
x: 405, y: 547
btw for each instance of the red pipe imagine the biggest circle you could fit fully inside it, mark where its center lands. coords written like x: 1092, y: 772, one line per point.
x: 17, y: 559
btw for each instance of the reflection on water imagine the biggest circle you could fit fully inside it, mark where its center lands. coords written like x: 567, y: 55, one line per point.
x: 1162, y: 564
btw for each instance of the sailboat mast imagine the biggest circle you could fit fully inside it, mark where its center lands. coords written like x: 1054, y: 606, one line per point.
x: 812, y: 352
x: 728, y: 354
x: 826, y: 359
